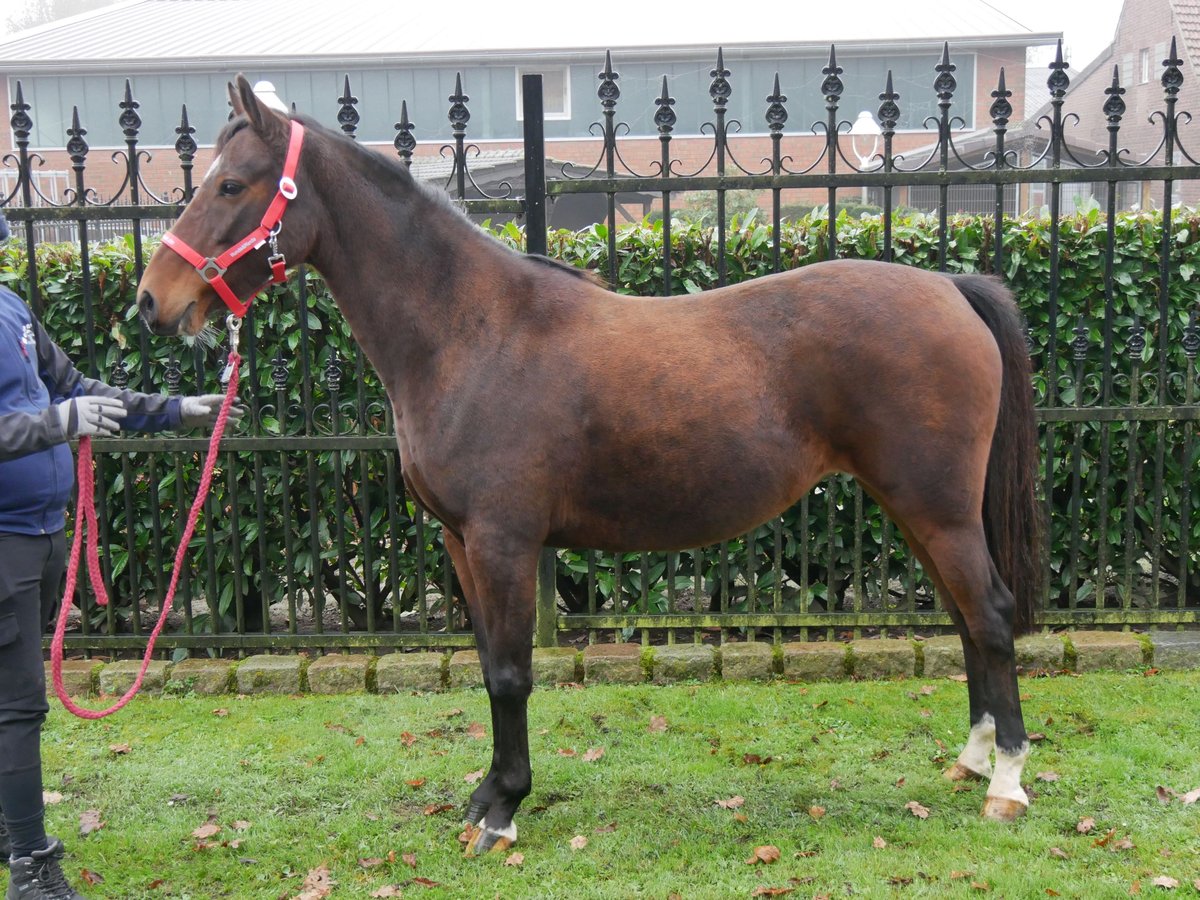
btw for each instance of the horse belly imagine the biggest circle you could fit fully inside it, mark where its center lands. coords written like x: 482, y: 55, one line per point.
x: 684, y: 500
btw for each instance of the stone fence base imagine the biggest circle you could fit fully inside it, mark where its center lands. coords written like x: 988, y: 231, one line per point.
x: 939, y: 657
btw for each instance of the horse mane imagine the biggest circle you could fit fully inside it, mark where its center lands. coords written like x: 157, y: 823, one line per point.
x: 384, y: 166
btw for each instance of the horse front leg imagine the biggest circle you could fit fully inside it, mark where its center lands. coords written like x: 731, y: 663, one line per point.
x: 504, y: 574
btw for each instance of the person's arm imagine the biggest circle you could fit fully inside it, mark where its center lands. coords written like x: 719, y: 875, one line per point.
x: 22, y: 432
x: 146, y: 412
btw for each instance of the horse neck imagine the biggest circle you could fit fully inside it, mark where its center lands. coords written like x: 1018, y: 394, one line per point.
x: 407, y: 270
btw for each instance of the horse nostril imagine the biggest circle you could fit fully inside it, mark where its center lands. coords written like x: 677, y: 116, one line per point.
x: 146, y: 305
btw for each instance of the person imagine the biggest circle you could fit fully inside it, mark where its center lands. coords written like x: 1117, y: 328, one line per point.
x: 44, y: 403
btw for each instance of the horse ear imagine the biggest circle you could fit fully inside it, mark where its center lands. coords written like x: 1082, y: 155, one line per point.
x: 268, y: 123
x: 234, y: 100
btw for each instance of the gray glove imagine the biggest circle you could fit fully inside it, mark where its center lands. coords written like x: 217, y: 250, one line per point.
x: 201, y: 412
x: 90, y: 416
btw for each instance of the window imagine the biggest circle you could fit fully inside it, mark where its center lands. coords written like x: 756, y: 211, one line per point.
x: 556, y: 92
x: 1144, y: 67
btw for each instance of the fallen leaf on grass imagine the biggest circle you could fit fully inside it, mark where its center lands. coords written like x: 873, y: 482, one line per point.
x: 220, y: 713
x: 921, y: 812
x: 371, y: 862
x: 1086, y: 824
x: 407, y: 738
x: 981, y: 885
x: 899, y: 880
x: 240, y: 825
x: 434, y: 808
x: 1051, y: 892
x: 49, y: 798
x: 753, y: 759
x: 606, y: 829
x: 118, y: 749
x: 472, y: 777
x: 477, y: 731
x: 764, y: 891
x: 578, y: 842
x: 89, y: 821
x: 957, y: 875
x: 806, y: 854
x: 1123, y: 844
x: 1196, y: 884
x: 1103, y: 840
x: 91, y: 877
x: 1036, y: 737
x: 816, y: 811
x: 740, y: 817
x: 593, y: 754
x: 409, y: 859
x: 1190, y: 797
x: 426, y: 882
x: 1166, y: 881
x: 450, y: 713
x: 317, y: 884
x: 515, y: 859
x: 156, y: 884
x: 960, y: 677
x: 388, y: 890
x: 879, y: 843
x: 204, y: 832
x: 1059, y: 853
x: 927, y: 689
x: 415, y: 782
x: 657, y: 724
x: 359, y: 741
x: 732, y: 803
x: 765, y: 854
x: 1164, y: 794
x: 567, y: 751
x: 1047, y: 776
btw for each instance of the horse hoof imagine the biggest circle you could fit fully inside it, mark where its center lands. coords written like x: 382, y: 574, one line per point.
x: 485, y: 840
x: 1001, y: 809
x: 959, y: 772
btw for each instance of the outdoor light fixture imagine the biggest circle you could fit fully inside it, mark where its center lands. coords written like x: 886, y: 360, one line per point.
x: 865, y: 129
x: 265, y: 91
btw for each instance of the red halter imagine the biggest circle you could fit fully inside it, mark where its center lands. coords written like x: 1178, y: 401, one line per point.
x: 212, y: 269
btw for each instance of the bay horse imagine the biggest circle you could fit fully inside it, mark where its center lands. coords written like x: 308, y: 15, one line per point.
x: 534, y: 407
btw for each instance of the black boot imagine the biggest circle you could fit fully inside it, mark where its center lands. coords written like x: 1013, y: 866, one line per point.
x: 40, y: 877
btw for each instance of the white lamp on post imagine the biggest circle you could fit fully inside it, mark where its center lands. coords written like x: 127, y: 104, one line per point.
x: 864, y: 141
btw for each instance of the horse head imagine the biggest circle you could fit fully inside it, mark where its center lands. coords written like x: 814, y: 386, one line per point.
x: 232, y: 240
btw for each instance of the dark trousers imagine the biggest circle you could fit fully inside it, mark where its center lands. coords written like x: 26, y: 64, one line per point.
x: 31, y: 569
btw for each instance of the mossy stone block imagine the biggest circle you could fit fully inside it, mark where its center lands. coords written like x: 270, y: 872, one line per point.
x: 201, y: 676
x: 1176, y: 649
x: 684, y: 662
x: 1040, y: 652
x: 267, y: 674
x: 465, y: 671
x: 79, y: 676
x: 1096, y: 650
x: 613, y: 664
x: 397, y: 672
x: 750, y: 661
x: 339, y: 673
x: 884, y: 658
x: 814, y: 661
x: 118, y: 677
x: 555, y: 665
x: 943, y: 656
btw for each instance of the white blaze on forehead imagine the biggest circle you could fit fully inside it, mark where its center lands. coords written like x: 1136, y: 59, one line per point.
x: 211, y: 169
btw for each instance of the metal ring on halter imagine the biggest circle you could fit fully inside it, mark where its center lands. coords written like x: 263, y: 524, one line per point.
x: 287, y: 187
x: 234, y: 325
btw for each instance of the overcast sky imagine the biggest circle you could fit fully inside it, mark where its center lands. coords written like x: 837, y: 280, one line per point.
x: 1087, y: 25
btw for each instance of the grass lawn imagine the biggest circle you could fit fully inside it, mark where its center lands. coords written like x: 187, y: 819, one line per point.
x: 360, y: 783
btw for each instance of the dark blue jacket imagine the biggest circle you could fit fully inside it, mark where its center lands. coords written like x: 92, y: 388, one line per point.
x: 36, y: 471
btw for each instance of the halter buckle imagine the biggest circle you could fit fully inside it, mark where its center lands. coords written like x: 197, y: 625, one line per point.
x: 287, y: 187
x: 210, y: 270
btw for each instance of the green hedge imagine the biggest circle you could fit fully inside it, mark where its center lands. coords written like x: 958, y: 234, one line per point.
x: 820, y: 538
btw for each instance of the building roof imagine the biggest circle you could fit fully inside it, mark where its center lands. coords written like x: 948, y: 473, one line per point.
x: 1187, y: 15
x: 179, y: 34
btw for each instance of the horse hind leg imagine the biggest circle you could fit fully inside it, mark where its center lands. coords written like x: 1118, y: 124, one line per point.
x: 984, y: 606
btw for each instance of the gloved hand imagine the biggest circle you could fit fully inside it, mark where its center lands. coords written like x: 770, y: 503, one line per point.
x: 90, y: 416
x: 201, y: 412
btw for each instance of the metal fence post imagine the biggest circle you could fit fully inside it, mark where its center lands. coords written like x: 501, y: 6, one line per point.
x: 535, y: 242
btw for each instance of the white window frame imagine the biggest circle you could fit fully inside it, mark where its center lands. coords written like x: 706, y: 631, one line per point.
x: 542, y: 70
x: 1144, y: 66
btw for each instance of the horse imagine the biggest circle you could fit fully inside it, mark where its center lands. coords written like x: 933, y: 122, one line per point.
x: 534, y: 407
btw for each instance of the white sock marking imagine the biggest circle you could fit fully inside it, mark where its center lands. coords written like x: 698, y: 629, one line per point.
x: 1006, y: 783
x: 510, y: 832
x: 977, y: 755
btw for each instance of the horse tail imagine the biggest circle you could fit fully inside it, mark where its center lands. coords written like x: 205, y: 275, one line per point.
x: 1011, y: 513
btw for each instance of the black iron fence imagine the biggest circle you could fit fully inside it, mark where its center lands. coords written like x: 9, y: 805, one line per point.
x: 310, y: 541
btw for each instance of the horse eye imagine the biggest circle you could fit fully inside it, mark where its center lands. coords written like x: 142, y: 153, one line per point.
x: 229, y: 188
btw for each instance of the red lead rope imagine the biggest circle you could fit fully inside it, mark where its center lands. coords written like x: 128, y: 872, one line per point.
x: 86, y: 515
